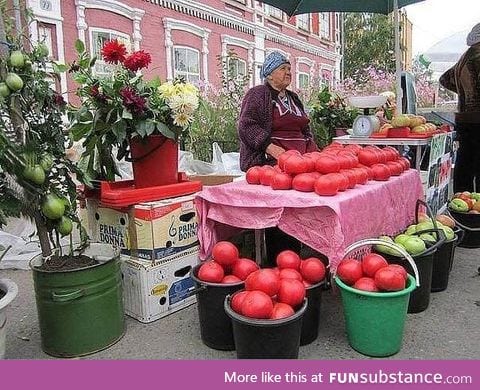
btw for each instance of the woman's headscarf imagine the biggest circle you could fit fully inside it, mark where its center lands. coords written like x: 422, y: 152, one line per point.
x: 272, y: 62
x: 474, y: 36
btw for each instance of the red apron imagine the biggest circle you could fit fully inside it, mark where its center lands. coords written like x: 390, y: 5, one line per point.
x: 288, y: 122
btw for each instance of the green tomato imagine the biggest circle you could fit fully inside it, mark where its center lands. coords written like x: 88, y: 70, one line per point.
x: 4, y: 90
x: 458, y: 205
x: 17, y: 60
x: 64, y: 226
x: 14, y: 82
x: 37, y: 175
x: 46, y: 162
x: 53, y: 207
x: 28, y: 172
x: 42, y: 50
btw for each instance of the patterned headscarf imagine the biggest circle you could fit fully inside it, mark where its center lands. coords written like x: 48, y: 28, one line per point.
x: 474, y: 36
x: 272, y: 62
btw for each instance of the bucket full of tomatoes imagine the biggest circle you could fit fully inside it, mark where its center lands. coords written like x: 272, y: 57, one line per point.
x: 375, y: 297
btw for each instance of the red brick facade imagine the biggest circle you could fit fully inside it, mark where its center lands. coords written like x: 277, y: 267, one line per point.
x: 186, y: 36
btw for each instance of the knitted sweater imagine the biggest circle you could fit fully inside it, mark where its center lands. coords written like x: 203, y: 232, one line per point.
x: 255, y: 125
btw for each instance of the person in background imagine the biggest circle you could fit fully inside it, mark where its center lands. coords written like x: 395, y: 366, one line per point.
x: 464, y: 79
x: 272, y: 120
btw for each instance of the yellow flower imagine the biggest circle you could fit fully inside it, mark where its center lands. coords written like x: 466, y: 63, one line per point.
x: 167, y: 90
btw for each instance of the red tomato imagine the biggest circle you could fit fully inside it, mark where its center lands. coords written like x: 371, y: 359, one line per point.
x: 406, y: 163
x: 326, y: 186
x: 371, y: 263
x: 288, y: 259
x: 290, y: 273
x: 399, y: 268
x: 380, y: 172
x: 310, y: 163
x: 253, y: 175
x: 327, y: 164
x: 284, y: 156
x: 344, y: 161
x: 230, y: 279
x: 244, y: 267
x: 353, y: 148
x: 349, y: 271
x: 312, y: 270
x: 281, y: 181
x: 366, y: 284
x: 396, y: 168
x: 257, y: 304
x: 282, y: 310
x: 237, y: 301
x: 265, y: 280
x: 351, y: 176
x: 266, y: 176
x: 295, y: 165
x: 306, y: 284
x: 291, y: 292
x: 211, y: 271
x: 367, y: 157
x: 225, y: 253
x: 342, y: 179
x: 394, y: 152
x: 362, y: 175
x: 388, y: 279
x: 304, y: 182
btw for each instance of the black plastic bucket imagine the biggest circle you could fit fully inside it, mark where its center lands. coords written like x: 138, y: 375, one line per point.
x: 420, y: 297
x: 470, y: 223
x: 442, y: 261
x: 266, y: 339
x: 311, y: 318
x: 215, y: 326
x: 459, y: 233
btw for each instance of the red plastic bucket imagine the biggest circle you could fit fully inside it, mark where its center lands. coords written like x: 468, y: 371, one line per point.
x: 154, y: 161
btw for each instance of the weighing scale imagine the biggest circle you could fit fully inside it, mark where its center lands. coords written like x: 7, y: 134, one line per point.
x: 366, y: 124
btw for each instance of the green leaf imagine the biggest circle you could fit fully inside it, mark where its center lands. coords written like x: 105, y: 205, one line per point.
x: 126, y: 114
x: 119, y: 128
x: 59, y: 68
x: 165, y: 130
x: 79, y: 46
x: 80, y: 130
x: 92, y: 61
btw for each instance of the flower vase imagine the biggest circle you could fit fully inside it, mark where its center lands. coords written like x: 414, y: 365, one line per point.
x: 154, y: 161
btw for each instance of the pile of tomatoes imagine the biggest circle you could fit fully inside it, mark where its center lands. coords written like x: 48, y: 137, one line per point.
x: 372, y: 273
x: 336, y: 168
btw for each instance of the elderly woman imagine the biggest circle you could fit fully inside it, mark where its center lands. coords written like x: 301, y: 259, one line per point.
x: 272, y: 118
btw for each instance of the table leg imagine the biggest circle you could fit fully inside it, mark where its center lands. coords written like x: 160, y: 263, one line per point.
x: 259, y: 245
x: 418, y: 158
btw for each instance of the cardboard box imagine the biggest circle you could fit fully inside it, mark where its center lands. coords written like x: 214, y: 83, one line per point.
x: 213, y: 180
x: 148, y: 231
x: 152, y: 290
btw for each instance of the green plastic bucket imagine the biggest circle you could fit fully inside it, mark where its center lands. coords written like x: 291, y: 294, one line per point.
x: 375, y: 321
x: 80, y: 311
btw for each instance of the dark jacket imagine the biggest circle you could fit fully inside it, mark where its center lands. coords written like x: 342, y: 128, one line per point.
x: 464, y: 79
x: 255, y: 124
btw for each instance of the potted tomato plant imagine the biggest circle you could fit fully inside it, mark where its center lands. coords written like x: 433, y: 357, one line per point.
x: 78, y: 287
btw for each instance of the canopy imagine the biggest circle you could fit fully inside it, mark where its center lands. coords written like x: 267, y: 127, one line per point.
x: 292, y: 7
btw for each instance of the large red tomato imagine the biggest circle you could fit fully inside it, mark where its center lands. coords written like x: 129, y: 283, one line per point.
x: 253, y: 175
x: 211, y: 271
x: 267, y: 174
x: 371, y: 263
x: 326, y: 185
x: 237, y: 301
x: 365, y: 284
x: 388, y: 279
x: 312, y: 270
x: 295, y: 165
x: 230, y: 279
x: 351, y: 176
x: 342, y: 179
x: 380, y: 172
x: 281, y: 181
x: 304, y: 182
x: 244, y: 267
x: 225, y: 253
x: 288, y: 259
x: 367, y: 157
x: 257, y: 304
x: 362, y: 175
x: 344, y: 161
x: 400, y: 269
x: 284, y: 156
x: 290, y: 273
x: 349, y: 271
x: 406, y: 163
x: 265, y: 280
x: 353, y: 148
x: 291, y: 292
x: 327, y: 164
x: 282, y: 310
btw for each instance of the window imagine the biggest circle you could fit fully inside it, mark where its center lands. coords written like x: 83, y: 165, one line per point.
x: 45, y: 37
x: 237, y: 67
x: 186, y: 64
x: 303, y: 80
x: 325, y: 25
x: 98, y: 39
x: 303, y: 22
x: 274, y: 12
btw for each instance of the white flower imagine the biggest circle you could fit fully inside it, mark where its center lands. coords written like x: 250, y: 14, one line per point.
x: 181, y: 119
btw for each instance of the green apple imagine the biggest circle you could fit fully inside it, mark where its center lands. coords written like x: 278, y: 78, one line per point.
x: 414, y: 245
x: 17, y: 60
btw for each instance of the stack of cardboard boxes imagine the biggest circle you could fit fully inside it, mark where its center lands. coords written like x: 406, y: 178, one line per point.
x: 159, y: 246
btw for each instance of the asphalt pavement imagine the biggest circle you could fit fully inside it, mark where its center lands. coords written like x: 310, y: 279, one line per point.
x: 448, y: 329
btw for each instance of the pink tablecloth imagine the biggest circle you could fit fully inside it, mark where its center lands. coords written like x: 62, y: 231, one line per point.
x: 327, y: 224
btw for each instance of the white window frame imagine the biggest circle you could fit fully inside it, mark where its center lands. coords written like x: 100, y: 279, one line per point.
x: 274, y: 12
x: 302, y: 24
x: 101, y: 68
x: 299, y: 76
x: 238, y: 61
x: 45, y: 36
x: 186, y: 73
x: 325, y: 27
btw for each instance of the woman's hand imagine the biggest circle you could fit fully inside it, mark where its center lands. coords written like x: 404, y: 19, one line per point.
x: 274, y: 150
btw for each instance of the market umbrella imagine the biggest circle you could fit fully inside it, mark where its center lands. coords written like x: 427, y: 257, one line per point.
x: 292, y: 7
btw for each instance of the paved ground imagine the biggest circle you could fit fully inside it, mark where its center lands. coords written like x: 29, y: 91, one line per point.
x: 448, y: 329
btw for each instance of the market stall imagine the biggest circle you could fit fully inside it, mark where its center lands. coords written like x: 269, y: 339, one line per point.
x: 326, y: 224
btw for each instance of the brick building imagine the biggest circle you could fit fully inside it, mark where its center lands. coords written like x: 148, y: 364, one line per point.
x: 185, y: 37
